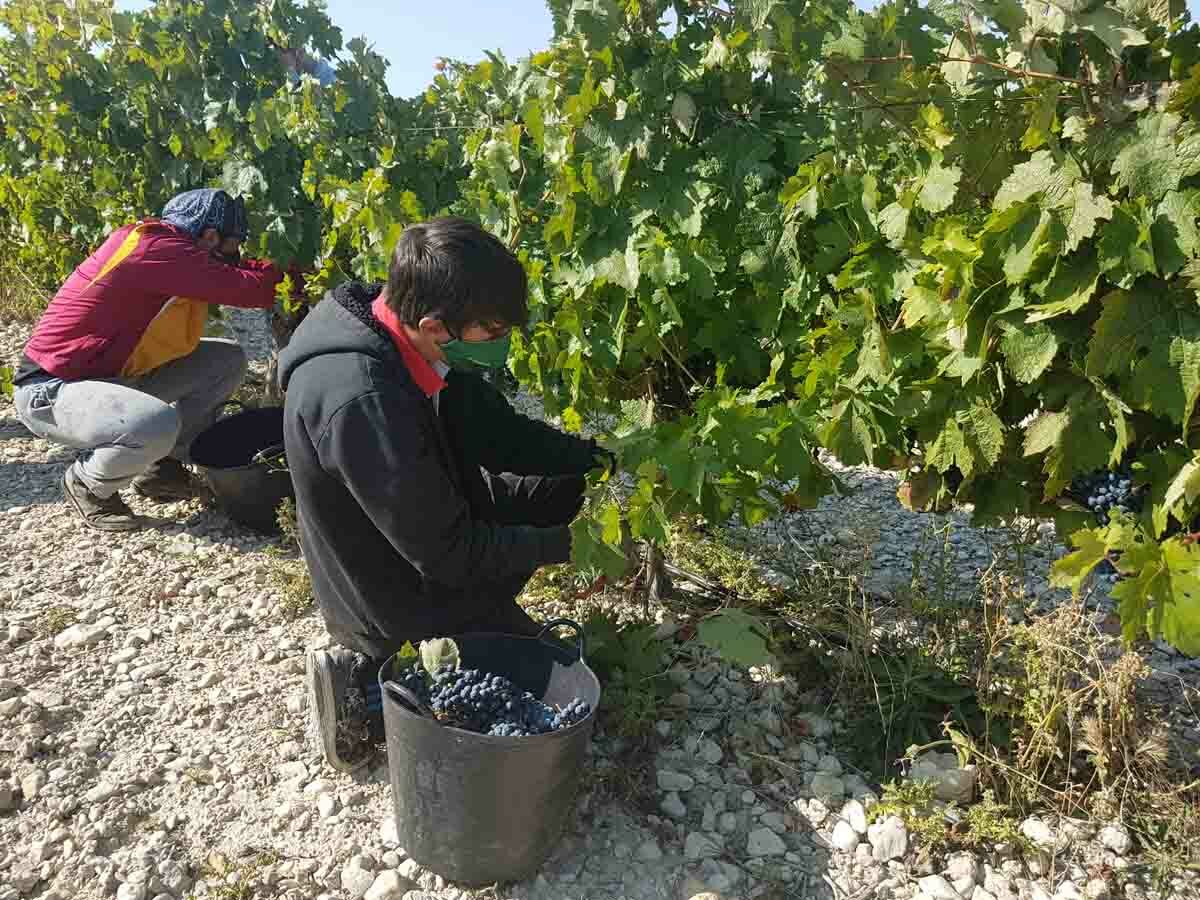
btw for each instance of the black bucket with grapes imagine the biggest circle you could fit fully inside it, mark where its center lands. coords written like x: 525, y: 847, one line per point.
x: 486, y: 748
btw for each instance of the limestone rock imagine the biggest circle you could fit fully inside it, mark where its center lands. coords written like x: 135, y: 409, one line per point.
x: 889, y: 839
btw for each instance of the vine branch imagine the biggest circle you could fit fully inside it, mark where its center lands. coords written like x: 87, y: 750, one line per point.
x: 871, y: 96
x: 978, y: 60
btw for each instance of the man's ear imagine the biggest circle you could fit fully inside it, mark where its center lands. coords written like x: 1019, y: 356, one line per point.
x: 209, y: 239
x: 434, y: 328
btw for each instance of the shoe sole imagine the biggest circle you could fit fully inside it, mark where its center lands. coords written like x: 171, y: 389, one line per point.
x: 112, y: 528
x: 318, y: 673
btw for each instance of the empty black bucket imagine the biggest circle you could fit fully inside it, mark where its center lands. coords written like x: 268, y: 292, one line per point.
x: 477, y: 809
x: 241, y: 458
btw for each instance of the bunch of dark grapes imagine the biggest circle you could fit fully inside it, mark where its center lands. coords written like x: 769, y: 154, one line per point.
x: 413, y: 678
x: 1104, y: 491
x: 491, y: 704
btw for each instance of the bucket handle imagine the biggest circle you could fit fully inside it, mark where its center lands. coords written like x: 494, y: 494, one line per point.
x: 273, y: 457
x: 574, y: 626
x: 407, y: 698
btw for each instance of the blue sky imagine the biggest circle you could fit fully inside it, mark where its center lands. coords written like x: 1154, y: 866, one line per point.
x: 412, y: 35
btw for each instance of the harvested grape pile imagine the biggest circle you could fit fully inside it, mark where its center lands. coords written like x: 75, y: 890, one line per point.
x: 487, y: 704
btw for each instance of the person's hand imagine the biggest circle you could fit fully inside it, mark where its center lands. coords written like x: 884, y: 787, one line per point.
x: 606, y: 459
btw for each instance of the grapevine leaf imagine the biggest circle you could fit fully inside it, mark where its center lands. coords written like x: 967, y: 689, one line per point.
x: 1161, y: 593
x: 1174, y: 234
x: 739, y: 637
x: 938, y: 188
x: 1111, y: 27
x: 1041, y: 174
x: 1186, y: 97
x: 1155, y: 162
x: 1153, y: 344
x: 1040, y: 123
x: 1084, y: 210
x: 760, y: 11
x: 986, y: 432
x: 1181, y: 607
x: 405, y: 658
x: 590, y: 551
x: 949, y: 450
x: 1075, y: 128
x: 718, y: 53
x: 1186, y: 486
x: 241, y: 177
x: 1125, y: 248
x: 850, y: 44
x: 1073, y: 440
x: 683, y: 111
x: 1029, y: 350
x: 610, y: 523
x: 621, y: 267
x: 962, y: 75
x: 933, y: 123
x: 1026, y: 246
x: 1069, y: 289
x: 1073, y: 569
x: 893, y: 223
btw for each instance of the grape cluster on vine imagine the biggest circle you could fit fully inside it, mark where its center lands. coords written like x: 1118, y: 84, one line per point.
x: 486, y: 703
x: 1105, y: 491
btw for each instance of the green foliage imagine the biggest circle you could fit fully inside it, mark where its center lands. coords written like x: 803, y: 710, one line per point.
x: 874, y: 233
x: 983, y: 824
x: 913, y: 695
x: 966, y: 247
x: 119, y: 111
x: 738, y: 636
x: 628, y: 659
x: 293, y: 587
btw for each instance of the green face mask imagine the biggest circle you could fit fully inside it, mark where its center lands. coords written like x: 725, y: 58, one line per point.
x: 470, y: 355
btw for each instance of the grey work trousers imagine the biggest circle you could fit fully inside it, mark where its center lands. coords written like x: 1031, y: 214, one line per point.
x: 122, y: 426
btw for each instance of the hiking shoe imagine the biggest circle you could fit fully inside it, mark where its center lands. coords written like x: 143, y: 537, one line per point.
x: 345, y: 716
x: 167, y: 481
x: 100, y: 513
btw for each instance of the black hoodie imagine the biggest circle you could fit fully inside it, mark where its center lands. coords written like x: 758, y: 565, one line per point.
x: 391, y: 496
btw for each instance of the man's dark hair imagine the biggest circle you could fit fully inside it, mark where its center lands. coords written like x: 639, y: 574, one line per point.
x: 452, y: 269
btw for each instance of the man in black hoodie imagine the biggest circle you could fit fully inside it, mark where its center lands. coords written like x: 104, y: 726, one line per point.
x: 424, y: 501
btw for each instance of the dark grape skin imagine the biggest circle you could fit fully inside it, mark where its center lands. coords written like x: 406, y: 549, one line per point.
x: 488, y: 704
x: 1104, y: 491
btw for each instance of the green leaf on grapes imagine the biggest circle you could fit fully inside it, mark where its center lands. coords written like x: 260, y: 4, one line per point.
x: 439, y: 652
